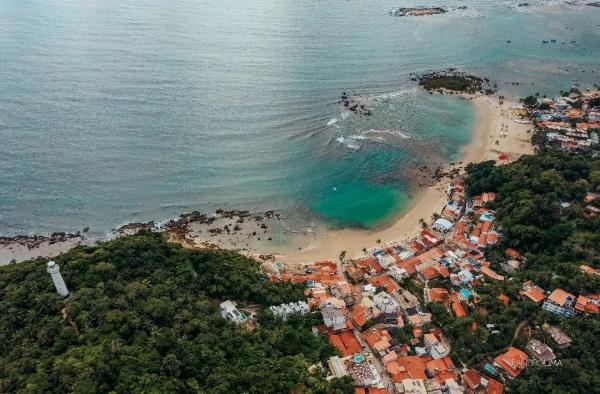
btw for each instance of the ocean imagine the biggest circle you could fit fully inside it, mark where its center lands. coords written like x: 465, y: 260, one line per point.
x: 113, y: 112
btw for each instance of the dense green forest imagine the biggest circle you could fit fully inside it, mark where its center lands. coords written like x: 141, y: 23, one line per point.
x: 143, y: 316
x: 540, y: 211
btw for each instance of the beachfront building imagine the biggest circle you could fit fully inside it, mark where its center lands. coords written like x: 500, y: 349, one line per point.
x: 560, y: 302
x: 230, y: 312
x: 284, y: 311
x: 442, y: 225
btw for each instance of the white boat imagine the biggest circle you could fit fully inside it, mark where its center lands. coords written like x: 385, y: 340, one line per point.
x: 522, y: 121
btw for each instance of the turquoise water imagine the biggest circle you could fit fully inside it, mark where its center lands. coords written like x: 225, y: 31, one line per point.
x: 117, y: 111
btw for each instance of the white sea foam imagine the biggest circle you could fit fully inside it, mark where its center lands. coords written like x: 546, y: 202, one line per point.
x: 398, y: 133
x: 332, y: 121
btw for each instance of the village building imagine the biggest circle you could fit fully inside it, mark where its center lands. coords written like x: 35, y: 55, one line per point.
x: 513, y: 361
x: 435, y: 294
x: 561, y: 339
x: 586, y: 304
x: 284, y: 311
x: 386, y: 303
x: 334, y: 318
x: 436, y: 346
x: 478, y: 384
x: 442, y: 225
x: 532, y: 291
x: 540, y: 351
x: 230, y: 312
x: 560, y: 302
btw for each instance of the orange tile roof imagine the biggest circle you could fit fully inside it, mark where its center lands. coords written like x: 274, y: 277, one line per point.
x: 494, y: 387
x: 440, y: 365
x: 410, y: 264
x: 513, y: 253
x: 378, y: 339
x: 471, y: 379
x: 504, y: 299
x: 559, y: 296
x: 413, y: 366
x: 588, y: 270
x: 345, y: 342
x: 370, y: 264
x: 491, y: 273
x: 514, y: 361
x: 438, y: 294
x: 360, y: 315
x: 585, y: 304
x: 492, y: 238
x: 430, y: 273
x: 457, y: 308
x: 384, y: 281
x: 532, y: 291
x: 443, y: 271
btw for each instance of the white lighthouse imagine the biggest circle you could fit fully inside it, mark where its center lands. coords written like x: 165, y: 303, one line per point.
x: 59, y: 283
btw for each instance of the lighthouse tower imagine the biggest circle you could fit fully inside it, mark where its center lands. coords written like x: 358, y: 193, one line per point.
x: 59, y: 283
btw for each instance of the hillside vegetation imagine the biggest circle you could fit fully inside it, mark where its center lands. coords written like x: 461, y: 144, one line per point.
x: 143, y: 317
x: 541, y: 209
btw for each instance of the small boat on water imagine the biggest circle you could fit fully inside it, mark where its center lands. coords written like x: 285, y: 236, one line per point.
x: 335, y: 189
x: 545, y: 41
x: 508, y: 41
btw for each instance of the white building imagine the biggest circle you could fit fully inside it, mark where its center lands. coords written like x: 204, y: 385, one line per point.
x: 333, y: 318
x: 284, y: 311
x: 54, y: 271
x: 398, y: 273
x: 386, y: 303
x: 442, y: 225
x: 386, y: 261
x: 436, y: 348
x: 230, y: 312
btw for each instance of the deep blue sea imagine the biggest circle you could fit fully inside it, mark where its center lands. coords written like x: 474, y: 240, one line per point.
x: 115, y: 111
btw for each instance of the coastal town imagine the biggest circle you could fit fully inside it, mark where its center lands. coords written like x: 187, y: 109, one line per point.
x: 382, y: 310
x: 376, y: 309
x: 569, y: 122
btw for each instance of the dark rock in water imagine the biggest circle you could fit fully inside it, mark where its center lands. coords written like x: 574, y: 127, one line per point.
x: 354, y: 105
x: 455, y: 81
x: 417, y: 11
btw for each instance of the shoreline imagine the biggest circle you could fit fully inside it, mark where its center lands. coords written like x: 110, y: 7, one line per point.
x: 492, y: 120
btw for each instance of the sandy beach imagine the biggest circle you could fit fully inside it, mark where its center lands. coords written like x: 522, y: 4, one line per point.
x: 495, y: 133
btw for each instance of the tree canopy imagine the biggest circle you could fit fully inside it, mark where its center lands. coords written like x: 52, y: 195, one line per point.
x: 143, y: 316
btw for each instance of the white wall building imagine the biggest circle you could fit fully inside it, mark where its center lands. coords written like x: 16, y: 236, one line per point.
x: 230, y: 312
x: 284, y: 311
x: 333, y: 318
